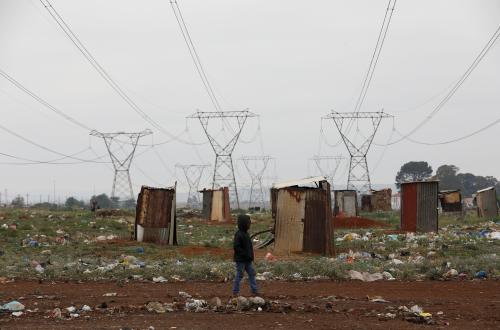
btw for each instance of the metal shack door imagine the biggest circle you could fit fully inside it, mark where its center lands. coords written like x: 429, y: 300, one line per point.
x: 349, y: 205
x: 316, y: 229
x: 427, y: 207
x: 217, y: 206
x: 290, y: 214
x: 487, y: 203
x: 207, y: 204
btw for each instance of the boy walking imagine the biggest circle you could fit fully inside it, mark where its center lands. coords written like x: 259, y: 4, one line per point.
x: 243, y: 255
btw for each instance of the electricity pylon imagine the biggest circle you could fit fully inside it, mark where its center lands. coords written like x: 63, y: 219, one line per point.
x: 193, y: 174
x: 223, y: 168
x: 327, y: 166
x: 359, y: 174
x: 256, y: 167
x: 122, y: 185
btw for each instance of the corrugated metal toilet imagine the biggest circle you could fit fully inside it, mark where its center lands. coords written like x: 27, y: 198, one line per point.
x: 419, y: 206
x: 302, y: 215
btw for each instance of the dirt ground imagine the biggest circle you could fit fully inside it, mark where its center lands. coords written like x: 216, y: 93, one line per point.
x: 465, y: 305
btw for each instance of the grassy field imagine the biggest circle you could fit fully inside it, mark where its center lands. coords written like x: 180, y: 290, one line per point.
x: 75, y: 245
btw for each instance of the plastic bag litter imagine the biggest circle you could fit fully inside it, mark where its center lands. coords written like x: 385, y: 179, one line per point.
x: 365, y: 276
x: 416, y: 309
x: 388, y: 276
x: 159, y: 279
x: 349, y: 237
x: 196, y: 305
x: 13, y: 306
x: 493, y: 235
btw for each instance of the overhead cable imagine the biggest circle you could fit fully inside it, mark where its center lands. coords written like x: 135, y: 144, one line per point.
x: 452, y: 92
x: 103, y: 73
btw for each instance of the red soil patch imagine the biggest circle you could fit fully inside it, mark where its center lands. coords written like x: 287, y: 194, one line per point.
x: 465, y: 305
x: 190, y: 251
x: 357, y: 222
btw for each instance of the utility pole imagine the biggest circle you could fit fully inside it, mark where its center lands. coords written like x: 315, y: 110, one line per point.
x: 359, y: 175
x: 223, y: 168
x: 193, y: 174
x: 327, y: 166
x: 256, y: 167
x: 122, y: 185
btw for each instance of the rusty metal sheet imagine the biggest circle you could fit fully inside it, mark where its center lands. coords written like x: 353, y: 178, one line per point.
x: 451, y: 201
x: 427, y: 212
x: 274, y: 197
x: 207, y: 203
x: 156, y: 214
x: 366, y: 203
x: 487, y: 205
x: 409, y: 207
x: 289, y: 224
x: 227, y: 208
x: 317, y: 223
x: 381, y: 200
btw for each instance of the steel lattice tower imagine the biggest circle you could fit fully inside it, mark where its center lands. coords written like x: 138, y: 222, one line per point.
x: 122, y: 185
x: 256, y: 173
x: 223, y: 168
x: 193, y: 174
x: 359, y: 174
x: 325, y: 170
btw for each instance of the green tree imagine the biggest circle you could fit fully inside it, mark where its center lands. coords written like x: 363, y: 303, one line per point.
x: 18, y: 201
x: 73, y: 203
x: 103, y: 201
x: 413, y: 171
x: 447, y: 176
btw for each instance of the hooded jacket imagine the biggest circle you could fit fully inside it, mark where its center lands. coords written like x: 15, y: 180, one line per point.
x: 242, y: 244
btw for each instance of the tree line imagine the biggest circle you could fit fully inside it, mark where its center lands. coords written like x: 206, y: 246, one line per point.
x: 448, y: 175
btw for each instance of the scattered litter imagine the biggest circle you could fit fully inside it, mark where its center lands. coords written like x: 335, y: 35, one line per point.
x: 13, y: 306
x: 155, y: 306
x: 109, y: 294
x: 451, y: 273
x: 196, y: 305
x: 17, y: 314
x: 184, y: 295
x: 481, y: 274
x: 269, y: 257
x: 71, y: 309
x: 86, y: 308
x: 377, y: 299
x: 365, y: 276
x: 159, y: 279
x: 56, y: 313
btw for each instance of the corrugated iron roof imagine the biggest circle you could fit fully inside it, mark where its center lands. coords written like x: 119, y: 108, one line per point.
x: 419, y: 181
x: 486, y: 189
x: 300, y: 182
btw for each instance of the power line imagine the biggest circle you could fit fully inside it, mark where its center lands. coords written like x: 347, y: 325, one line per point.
x: 194, y: 54
x: 376, y: 54
x: 43, y: 102
x: 476, y: 132
x: 457, y: 85
x: 29, y: 161
x: 103, y: 73
x: 44, y: 147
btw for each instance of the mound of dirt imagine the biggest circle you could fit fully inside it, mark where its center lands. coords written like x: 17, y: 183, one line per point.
x: 357, y: 222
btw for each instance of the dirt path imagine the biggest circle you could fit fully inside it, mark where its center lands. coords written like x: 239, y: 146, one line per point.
x: 465, y: 305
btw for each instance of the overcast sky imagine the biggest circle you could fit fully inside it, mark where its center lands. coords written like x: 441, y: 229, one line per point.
x: 291, y: 62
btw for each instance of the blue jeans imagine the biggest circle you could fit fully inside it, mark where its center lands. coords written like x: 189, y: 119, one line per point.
x: 240, y: 268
